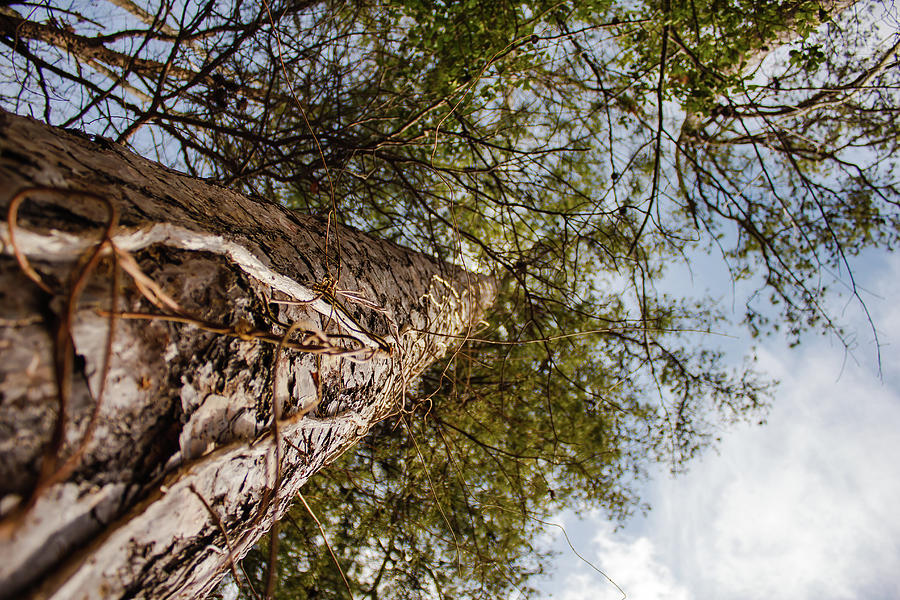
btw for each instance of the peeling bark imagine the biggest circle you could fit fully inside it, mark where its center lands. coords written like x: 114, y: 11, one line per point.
x: 186, y: 414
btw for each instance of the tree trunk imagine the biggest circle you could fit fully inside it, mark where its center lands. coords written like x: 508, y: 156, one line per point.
x: 133, y: 479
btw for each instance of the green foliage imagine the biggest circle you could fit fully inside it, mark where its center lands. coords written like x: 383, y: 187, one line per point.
x: 809, y: 59
x: 576, y: 151
x: 525, y: 139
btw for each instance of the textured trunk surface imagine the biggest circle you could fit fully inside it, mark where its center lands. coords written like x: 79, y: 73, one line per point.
x: 183, y: 448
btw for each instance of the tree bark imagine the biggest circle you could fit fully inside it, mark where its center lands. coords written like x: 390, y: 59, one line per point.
x: 151, y: 487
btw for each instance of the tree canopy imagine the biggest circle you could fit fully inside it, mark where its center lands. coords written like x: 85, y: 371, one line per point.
x: 574, y: 150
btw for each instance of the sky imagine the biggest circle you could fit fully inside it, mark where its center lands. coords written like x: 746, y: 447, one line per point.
x: 804, y: 507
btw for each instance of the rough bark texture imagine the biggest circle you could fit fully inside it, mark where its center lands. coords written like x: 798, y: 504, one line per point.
x: 186, y: 414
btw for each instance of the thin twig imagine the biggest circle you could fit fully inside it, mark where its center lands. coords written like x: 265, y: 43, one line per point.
x: 434, y: 493
x: 231, y: 554
x: 327, y: 544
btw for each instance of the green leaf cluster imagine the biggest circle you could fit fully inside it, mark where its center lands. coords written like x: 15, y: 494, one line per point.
x: 526, y: 140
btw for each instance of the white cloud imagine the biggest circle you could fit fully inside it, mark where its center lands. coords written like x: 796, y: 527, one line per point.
x: 636, y: 569
x: 631, y: 564
x: 806, y: 507
x: 803, y: 508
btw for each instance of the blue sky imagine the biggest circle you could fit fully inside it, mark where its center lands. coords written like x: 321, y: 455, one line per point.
x: 804, y: 507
